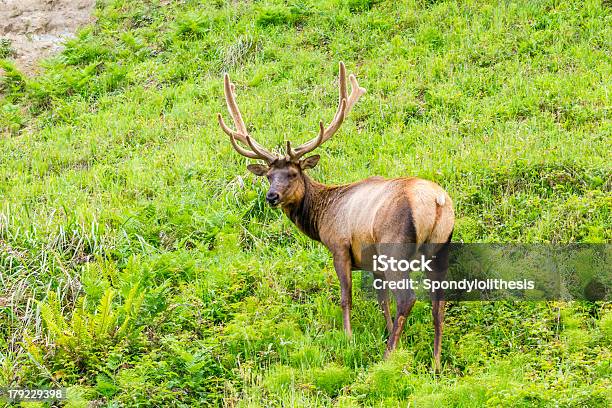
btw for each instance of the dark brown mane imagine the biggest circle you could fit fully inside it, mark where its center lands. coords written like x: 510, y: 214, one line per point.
x: 307, y: 214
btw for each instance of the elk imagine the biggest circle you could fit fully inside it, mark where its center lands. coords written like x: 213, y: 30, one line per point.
x: 348, y: 218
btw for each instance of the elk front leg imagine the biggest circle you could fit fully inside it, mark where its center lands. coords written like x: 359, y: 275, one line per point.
x: 342, y: 265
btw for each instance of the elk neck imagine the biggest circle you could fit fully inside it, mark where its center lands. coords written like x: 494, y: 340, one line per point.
x: 308, y: 213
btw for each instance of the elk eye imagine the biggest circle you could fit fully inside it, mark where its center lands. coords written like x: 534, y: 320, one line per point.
x: 292, y: 175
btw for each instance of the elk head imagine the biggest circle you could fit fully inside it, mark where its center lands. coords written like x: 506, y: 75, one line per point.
x: 285, y: 172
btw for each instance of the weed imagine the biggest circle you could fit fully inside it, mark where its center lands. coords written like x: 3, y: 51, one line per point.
x: 6, y: 48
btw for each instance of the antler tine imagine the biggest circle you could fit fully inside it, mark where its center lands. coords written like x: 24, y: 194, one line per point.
x: 309, y: 146
x: 289, y: 150
x: 241, y: 133
x: 233, y: 136
x: 263, y: 153
x: 345, y: 104
x: 356, y: 93
x: 229, y: 89
x: 242, y: 150
x: 226, y: 129
x: 342, y: 83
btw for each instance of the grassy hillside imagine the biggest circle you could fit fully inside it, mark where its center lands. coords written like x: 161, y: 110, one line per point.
x: 140, y: 265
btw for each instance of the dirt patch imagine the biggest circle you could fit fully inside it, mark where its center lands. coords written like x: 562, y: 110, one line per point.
x: 37, y: 28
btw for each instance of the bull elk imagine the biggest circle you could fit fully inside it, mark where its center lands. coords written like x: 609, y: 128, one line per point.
x: 347, y: 218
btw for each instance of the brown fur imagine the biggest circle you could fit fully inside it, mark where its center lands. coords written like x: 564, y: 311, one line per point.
x: 371, y: 211
x: 351, y: 217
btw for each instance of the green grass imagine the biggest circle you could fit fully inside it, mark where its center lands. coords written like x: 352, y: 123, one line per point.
x: 139, y: 264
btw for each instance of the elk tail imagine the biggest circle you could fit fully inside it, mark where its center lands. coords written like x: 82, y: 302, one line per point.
x: 440, y: 202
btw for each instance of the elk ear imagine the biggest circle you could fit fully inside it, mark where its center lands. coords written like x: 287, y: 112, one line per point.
x: 258, y: 169
x: 309, y: 162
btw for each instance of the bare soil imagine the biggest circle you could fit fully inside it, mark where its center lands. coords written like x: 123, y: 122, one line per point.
x: 37, y: 28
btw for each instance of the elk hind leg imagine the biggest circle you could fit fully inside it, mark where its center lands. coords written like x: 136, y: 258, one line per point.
x: 405, y: 301
x: 440, y: 269
x: 437, y: 311
x: 383, y: 302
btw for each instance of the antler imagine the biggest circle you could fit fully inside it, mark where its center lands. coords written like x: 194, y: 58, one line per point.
x: 257, y: 151
x: 345, y: 104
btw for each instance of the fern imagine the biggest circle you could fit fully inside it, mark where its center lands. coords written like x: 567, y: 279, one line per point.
x: 52, y: 316
x: 105, y: 319
x: 78, y: 324
x: 130, y: 309
x: 89, y: 335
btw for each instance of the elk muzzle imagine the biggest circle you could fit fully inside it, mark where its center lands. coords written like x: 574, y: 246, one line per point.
x: 273, y: 198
